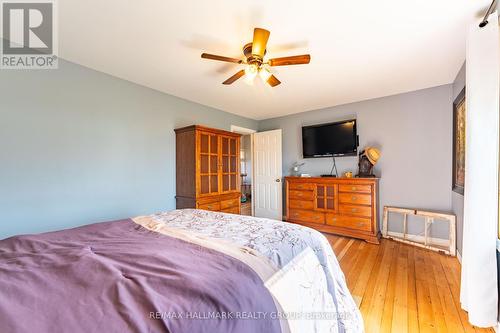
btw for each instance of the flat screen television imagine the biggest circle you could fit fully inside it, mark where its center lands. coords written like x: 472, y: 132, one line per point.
x: 333, y: 139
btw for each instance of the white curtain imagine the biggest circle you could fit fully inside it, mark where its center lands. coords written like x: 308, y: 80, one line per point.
x: 479, y: 294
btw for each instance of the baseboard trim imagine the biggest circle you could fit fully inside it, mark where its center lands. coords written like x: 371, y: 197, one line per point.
x: 459, y: 257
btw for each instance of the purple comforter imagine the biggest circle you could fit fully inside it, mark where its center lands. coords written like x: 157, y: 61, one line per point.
x: 120, y: 277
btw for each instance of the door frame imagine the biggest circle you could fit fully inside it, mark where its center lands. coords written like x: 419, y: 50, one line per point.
x: 242, y: 130
x: 248, y: 131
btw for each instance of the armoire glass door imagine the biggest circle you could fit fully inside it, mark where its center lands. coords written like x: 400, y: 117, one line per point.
x: 209, y: 163
x: 230, y: 159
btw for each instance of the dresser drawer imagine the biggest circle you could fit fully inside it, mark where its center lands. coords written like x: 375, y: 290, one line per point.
x: 302, y: 195
x: 356, y: 223
x: 231, y: 210
x: 306, y: 216
x: 207, y: 200
x: 355, y: 198
x: 355, y: 188
x: 301, y: 186
x: 355, y: 210
x: 302, y: 204
x: 229, y: 203
x: 214, y: 206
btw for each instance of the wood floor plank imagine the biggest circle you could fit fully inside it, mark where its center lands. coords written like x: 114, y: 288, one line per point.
x: 451, y: 315
x: 455, y: 269
x: 350, y: 258
x: 400, y: 308
x: 352, y: 274
x: 389, y: 297
x: 454, y: 286
x: 359, y: 288
x: 339, y: 244
x: 412, y: 311
x: 331, y: 238
x: 452, y: 272
x: 376, y: 306
x: 365, y: 287
x: 424, y: 305
x: 436, y: 305
x: 344, y: 250
x: 403, y: 288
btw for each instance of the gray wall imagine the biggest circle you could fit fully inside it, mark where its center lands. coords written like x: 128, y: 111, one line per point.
x: 413, y: 131
x: 78, y: 146
x: 457, y: 199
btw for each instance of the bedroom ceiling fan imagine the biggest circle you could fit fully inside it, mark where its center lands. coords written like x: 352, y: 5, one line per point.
x: 255, y: 65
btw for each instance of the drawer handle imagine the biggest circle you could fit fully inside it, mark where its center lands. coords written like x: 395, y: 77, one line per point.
x: 360, y: 224
x: 354, y: 198
x: 354, y: 210
x: 354, y: 188
x: 316, y: 217
x: 300, y: 186
x: 210, y: 206
x: 296, y: 215
x: 334, y: 219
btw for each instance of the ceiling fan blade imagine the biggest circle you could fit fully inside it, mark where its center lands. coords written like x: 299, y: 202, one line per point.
x: 260, y: 38
x: 221, y: 58
x: 234, y: 77
x: 293, y: 60
x: 273, y: 81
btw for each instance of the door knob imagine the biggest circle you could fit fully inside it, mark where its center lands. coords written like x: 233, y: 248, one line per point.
x: 278, y: 180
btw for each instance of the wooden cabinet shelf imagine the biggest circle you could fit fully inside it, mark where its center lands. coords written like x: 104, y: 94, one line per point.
x: 207, y: 166
x: 344, y: 206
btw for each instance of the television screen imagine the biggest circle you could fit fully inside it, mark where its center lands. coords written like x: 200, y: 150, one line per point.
x: 334, y: 139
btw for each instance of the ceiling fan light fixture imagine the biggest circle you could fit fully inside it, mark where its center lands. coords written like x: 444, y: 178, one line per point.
x: 251, y: 71
x: 264, y: 74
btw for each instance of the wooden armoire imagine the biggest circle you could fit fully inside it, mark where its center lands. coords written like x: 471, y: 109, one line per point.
x: 208, y: 169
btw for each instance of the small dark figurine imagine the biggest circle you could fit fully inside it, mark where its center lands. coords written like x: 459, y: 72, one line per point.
x: 367, y: 160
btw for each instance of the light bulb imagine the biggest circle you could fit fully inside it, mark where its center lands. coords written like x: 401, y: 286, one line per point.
x: 265, y: 74
x: 251, y: 71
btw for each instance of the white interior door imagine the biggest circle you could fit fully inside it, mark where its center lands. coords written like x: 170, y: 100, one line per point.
x: 267, y: 175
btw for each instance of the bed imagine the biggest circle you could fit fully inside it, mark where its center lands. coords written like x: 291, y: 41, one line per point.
x: 178, y: 271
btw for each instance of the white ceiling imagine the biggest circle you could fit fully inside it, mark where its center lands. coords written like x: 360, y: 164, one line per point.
x: 359, y: 49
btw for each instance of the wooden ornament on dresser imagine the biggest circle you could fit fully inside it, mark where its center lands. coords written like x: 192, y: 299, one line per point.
x: 343, y: 206
x: 207, y: 169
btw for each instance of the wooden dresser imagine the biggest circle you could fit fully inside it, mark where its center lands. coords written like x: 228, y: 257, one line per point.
x: 208, y: 169
x: 344, y: 206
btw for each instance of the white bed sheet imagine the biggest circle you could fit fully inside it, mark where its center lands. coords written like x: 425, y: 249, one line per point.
x: 296, y: 263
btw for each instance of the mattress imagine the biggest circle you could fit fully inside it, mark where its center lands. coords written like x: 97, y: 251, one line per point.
x: 178, y: 271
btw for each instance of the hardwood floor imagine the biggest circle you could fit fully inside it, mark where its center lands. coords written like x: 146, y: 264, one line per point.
x: 246, y: 208
x: 402, y: 288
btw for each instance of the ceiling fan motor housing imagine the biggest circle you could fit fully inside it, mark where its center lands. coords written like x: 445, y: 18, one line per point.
x: 252, y: 58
